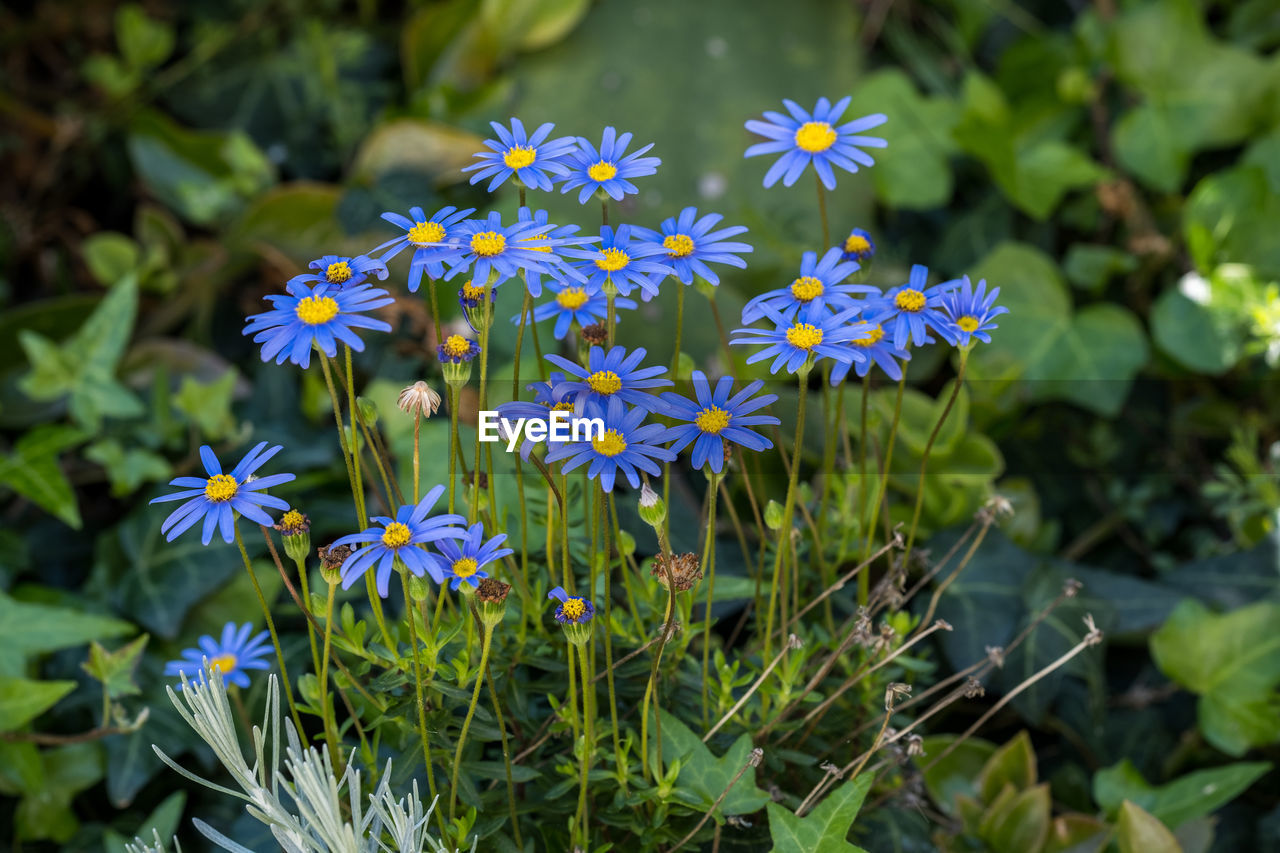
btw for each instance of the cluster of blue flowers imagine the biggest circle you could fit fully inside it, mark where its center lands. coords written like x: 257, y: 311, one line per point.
x: 823, y: 314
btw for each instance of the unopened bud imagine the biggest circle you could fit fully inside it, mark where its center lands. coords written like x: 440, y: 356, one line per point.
x: 653, y: 510
x: 419, y: 588
x: 368, y: 411
x: 626, y: 543
x: 773, y: 515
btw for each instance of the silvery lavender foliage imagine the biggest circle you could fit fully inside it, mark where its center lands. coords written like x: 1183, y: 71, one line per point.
x: 313, y: 822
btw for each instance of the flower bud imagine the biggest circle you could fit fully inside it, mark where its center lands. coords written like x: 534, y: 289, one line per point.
x: 295, y: 528
x: 368, y: 411
x: 626, y: 543
x: 773, y: 515
x: 653, y: 510
x: 419, y: 588
x: 706, y: 288
x: 491, y: 601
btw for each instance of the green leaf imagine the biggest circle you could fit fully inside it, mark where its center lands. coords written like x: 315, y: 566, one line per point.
x: 1148, y: 145
x: 824, y: 828
x: 31, y: 629
x: 1012, y: 764
x: 1019, y: 821
x: 1194, y: 335
x: 1089, y: 267
x: 435, y: 149
x: 115, y: 669
x: 22, y: 700
x: 958, y: 772
x: 1139, y: 832
x: 128, y: 469
x: 208, y: 404
x: 144, y: 42
x: 705, y: 774
x: 1232, y: 661
x: 913, y: 172
x: 1183, y: 800
x: 31, y: 469
x: 1089, y: 359
x: 68, y: 770
x: 1231, y: 217
x: 110, y: 256
x: 531, y: 24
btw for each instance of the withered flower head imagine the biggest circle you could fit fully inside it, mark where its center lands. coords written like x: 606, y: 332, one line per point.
x: 293, y: 523
x: 331, y: 559
x: 683, y: 569
x: 492, y: 590
x: 419, y: 399
x: 470, y: 479
x: 596, y: 334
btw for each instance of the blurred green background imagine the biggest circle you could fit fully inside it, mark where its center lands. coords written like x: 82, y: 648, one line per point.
x: 1114, y: 167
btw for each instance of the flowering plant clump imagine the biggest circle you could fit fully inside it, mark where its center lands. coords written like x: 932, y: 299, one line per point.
x: 513, y: 617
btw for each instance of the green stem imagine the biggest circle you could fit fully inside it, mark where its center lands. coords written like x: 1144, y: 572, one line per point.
x: 454, y: 441
x: 421, y: 700
x: 487, y: 640
x: 603, y: 512
x: 506, y: 759
x: 822, y: 210
x: 487, y: 309
x: 271, y: 628
x: 924, y: 463
x: 709, y: 571
x: 884, y: 477
x: 788, y: 509
x: 588, y: 742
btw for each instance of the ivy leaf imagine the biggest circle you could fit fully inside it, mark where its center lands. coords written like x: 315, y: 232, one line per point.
x: 115, y: 669
x: 208, y: 404
x: 1232, y: 661
x: 22, y: 700
x: 128, y: 469
x: 707, y: 776
x: 1180, y: 801
x: 30, y: 629
x: 1137, y: 831
x: 32, y: 470
x: 824, y: 828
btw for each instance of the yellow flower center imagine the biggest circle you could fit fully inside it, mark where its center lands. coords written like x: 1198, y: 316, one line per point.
x: 486, y: 244
x: 221, y: 488
x: 712, y: 419
x: 613, y: 260
x: 602, y: 171
x: 562, y: 407
x: 611, y: 444
x: 464, y: 568
x: 457, y: 345
x: 226, y: 664
x: 316, y: 310
x: 426, y: 232
x: 573, y: 609
x: 815, y: 136
x: 572, y: 298
x: 519, y: 157
x: 804, y: 336
x: 873, y: 337
x: 968, y: 323
x: 909, y: 300
x: 473, y: 293
x: 338, y: 272
x: 807, y: 288
x: 856, y: 244
x: 396, y: 535
x: 678, y: 245
x: 540, y: 241
x: 292, y: 520
x: 604, y: 382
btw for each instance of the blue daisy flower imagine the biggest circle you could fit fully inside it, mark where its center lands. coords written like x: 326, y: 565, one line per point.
x: 432, y: 240
x: 691, y: 244
x: 341, y: 271
x: 878, y: 351
x: 858, y: 246
x: 319, y: 316
x: 819, y: 284
x: 608, y: 170
x: 972, y: 311
x: 573, y: 610
x: 909, y: 310
x: 456, y: 349
x: 622, y: 260
x: 546, y: 399
x: 218, y: 497
x: 612, y: 375
x: 544, y: 242
x: 529, y: 158
x: 798, y: 335
x: 716, y: 419
x: 489, y: 247
x: 233, y: 654
x: 803, y: 138
x: 627, y: 444
x: 575, y: 303
x: 465, y: 563
x: 399, y: 538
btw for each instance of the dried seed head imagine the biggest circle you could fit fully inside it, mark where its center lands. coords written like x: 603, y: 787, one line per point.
x: 595, y: 335
x: 995, y: 654
x: 915, y: 746
x: 973, y: 689
x: 996, y: 508
x: 682, y: 570
x: 1070, y: 587
x: 895, y: 691
x: 470, y: 479
x: 756, y: 756
x: 1095, y: 633
x: 331, y: 559
x: 419, y: 400
x: 492, y: 590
